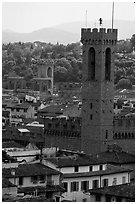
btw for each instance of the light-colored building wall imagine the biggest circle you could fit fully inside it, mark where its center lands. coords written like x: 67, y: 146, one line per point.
x: 55, y: 178
x: 27, y: 113
x: 65, y: 170
x: 28, y: 155
x: 10, y: 165
x: 118, y: 176
x: 82, y: 168
x: 79, y: 195
x: 28, y: 182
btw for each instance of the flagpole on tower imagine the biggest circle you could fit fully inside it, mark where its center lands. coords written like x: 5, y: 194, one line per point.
x: 86, y: 18
x: 112, y: 15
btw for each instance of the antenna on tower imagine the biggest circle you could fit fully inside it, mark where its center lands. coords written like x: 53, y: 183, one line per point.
x: 112, y: 15
x: 86, y: 19
x: 95, y: 23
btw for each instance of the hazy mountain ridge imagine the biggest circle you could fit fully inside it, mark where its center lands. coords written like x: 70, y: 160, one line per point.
x: 67, y: 32
x: 125, y: 28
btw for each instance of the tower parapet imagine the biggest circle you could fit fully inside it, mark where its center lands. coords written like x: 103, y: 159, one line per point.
x: 98, y: 36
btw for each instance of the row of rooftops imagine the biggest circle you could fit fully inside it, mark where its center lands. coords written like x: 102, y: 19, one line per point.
x: 37, y: 169
x: 114, y: 155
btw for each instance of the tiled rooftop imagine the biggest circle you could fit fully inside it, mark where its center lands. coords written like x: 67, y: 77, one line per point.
x: 26, y: 170
x: 124, y: 190
x: 70, y: 161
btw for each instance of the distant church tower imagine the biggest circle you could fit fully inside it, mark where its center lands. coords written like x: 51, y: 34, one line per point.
x: 97, y: 90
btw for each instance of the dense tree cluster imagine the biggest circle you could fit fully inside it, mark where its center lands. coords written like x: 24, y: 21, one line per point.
x: 19, y: 58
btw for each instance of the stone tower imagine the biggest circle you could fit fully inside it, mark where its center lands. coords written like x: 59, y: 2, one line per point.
x: 44, y: 80
x: 97, y: 89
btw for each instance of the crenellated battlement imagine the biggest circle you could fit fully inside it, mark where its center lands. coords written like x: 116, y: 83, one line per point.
x: 98, y: 36
x: 43, y: 62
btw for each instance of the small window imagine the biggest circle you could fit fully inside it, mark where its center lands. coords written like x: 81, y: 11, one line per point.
x: 75, y: 168
x: 25, y: 110
x: 20, y: 181
x: 95, y: 184
x: 57, y: 198
x: 123, y: 179
x: 34, y: 179
x: 91, y: 105
x: 17, y: 109
x: 101, y: 167
x: 104, y: 182
x: 65, y: 186
x: 91, y: 117
x: 74, y: 186
x: 42, y: 179
x: 91, y: 168
x: 84, y: 185
x: 114, y: 181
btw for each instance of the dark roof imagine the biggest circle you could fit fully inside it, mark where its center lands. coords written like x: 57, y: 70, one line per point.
x: 6, y: 183
x: 115, y: 157
x: 110, y: 170
x: 37, y: 104
x: 31, y: 189
x: 75, y: 160
x: 20, y: 106
x: 11, y: 144
x: 123, y: 190
x: 5, y: 113
x: 6, y: 157
x: 26, y: 170
x: 52, y: 109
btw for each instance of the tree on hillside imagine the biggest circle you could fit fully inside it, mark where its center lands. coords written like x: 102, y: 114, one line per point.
x: 124, y: 84
x: 133, y: 42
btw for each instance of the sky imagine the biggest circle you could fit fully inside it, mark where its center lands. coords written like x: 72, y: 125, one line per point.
x: 25, y: 17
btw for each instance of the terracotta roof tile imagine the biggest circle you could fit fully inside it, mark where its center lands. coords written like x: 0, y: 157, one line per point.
x: 124, y: 190
x: 26, y: 170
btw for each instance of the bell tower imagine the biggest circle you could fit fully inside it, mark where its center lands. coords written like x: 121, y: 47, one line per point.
x: 97, y: 89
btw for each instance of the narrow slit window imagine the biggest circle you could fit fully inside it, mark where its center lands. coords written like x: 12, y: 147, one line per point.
x: 91, y: 64
x: 108, y: 64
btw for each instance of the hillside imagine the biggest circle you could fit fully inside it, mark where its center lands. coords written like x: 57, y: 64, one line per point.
x: 67, y: 33
x: 47, y: 35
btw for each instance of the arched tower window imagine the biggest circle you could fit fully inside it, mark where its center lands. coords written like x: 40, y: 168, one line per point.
x: 91, y: 64
x: 49, y: 72
x: 108, y: 64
